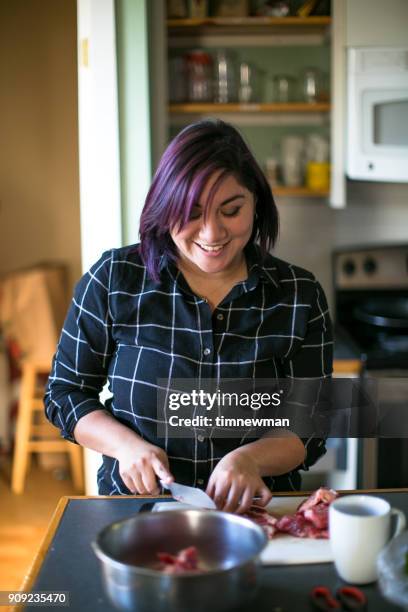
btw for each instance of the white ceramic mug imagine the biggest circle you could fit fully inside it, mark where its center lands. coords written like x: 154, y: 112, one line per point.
x: 360, y: 527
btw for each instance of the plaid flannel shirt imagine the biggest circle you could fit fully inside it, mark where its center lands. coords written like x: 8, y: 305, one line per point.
x: 126, y: 329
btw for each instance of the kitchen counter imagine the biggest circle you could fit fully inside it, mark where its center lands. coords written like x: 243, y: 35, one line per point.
x: 66, y: 562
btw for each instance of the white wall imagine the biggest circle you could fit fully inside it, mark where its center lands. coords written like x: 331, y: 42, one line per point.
x: 39, y: 188
x: 375, y: 213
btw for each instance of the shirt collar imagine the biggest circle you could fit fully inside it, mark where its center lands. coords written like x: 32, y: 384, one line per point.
x: 257, y: 272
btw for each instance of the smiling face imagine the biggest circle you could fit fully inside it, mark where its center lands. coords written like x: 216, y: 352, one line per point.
x: 214, y: 238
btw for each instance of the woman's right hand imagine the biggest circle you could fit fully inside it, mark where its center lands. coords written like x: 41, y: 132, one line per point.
x: 141, y: 464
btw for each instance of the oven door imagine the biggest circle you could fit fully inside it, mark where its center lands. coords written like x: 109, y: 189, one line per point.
x: 383, y: 460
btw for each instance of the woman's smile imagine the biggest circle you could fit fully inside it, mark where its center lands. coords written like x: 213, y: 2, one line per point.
x: 212, y: 249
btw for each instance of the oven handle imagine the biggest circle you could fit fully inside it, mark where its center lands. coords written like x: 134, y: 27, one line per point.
x: 380, y: 320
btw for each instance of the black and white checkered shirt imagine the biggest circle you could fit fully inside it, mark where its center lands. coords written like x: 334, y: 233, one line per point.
x: 129, y: 330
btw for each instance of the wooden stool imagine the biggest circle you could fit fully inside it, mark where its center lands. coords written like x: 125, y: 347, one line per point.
x: 35, y: 434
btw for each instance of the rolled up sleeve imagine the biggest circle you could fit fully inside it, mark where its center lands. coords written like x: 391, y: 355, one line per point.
x: 80, y: 365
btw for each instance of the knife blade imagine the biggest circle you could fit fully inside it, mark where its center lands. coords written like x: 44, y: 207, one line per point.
x: 190, y: 495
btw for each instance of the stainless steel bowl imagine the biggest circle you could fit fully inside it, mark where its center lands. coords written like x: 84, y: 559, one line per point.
x: 228, y: 547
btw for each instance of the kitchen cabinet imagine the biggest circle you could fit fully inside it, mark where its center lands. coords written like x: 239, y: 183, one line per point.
x: 388, y: 23
x: 274, y: 45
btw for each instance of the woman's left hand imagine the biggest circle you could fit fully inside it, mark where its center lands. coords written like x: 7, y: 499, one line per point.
x: 235, y: 481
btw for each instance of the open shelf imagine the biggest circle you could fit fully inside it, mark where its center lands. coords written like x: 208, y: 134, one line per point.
x: 292, y: 107
x: 298, y: 192
x: 245, y: 25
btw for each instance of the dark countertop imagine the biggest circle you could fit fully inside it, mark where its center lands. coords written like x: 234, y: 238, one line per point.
x: 66, y: 561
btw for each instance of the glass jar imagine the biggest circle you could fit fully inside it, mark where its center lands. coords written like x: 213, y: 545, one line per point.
x: 225, y: 77
x: 283, y: 88
x: 249, y: 81
x: 311, y: 85
x: 292, y: 153
x: 199, y: 71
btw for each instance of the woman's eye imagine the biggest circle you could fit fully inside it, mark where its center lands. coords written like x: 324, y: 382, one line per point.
x: 195, y: 214
x: 231, y: 212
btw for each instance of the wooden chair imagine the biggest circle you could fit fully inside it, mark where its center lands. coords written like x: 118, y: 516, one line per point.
x: 34, y: 434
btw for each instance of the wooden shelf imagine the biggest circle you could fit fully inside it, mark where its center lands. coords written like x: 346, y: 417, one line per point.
x: 247, y: 26
x: 294, y: 107
x: 298, y: 192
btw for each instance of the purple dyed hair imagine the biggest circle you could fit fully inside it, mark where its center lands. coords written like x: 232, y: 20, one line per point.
x: 192, y: 157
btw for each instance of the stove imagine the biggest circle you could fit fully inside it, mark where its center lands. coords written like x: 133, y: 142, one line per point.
x: 371, y: 308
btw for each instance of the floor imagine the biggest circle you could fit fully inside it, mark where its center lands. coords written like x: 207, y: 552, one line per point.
x: 24, y: 518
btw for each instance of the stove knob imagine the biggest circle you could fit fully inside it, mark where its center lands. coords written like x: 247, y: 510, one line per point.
x: 349, y: 267
x: 369, y: 265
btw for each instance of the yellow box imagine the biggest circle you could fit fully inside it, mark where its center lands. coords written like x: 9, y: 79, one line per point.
x: 318, y: 176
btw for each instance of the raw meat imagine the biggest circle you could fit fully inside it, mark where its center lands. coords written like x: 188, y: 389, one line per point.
x: 185, y: 560
x: 318, y: 516
x: 310, y: 520
x: 261, y: 517
x: 322, y: 495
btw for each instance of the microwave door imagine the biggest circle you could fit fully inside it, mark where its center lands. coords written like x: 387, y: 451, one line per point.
x: 385, y: 123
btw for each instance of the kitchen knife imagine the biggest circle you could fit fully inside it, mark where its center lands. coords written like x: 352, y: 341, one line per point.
x: 190, y: 495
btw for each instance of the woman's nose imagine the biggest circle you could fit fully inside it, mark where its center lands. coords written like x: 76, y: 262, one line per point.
x: 212, y: 230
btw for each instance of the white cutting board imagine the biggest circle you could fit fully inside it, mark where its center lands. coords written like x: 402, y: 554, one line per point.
x: 283, y: 549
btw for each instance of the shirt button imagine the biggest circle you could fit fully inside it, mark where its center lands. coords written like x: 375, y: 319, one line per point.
x: 207, y: 351
x: 200, y: 438
x: 220, y: 317
x: 200, y: 481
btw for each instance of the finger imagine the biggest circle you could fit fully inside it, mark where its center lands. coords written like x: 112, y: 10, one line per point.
x: 234, y: 495
x: 210, y: 490
x: 141, y: 489
x: 220, y: 496
x: 129, y: 483
x: 265, y: 495
x: 150, y: 480
x: 246, y: 500
x: 162, y: 470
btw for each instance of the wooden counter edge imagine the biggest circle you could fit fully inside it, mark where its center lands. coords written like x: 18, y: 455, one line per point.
x: 276, y: 494
x: 45, y: 544
x: 347, y: 366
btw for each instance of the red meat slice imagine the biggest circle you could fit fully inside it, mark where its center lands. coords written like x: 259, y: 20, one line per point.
x: 318, y: 515
x: 322, y: 495
x: 310, y: 520
x: 261, y: 517
x: 298, y: 526
x: 185, y: 560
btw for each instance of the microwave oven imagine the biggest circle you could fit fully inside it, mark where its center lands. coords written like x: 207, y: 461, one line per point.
x: 377, y: 114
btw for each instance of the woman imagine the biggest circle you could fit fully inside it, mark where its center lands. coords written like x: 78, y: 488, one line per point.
x: 199, y: 297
